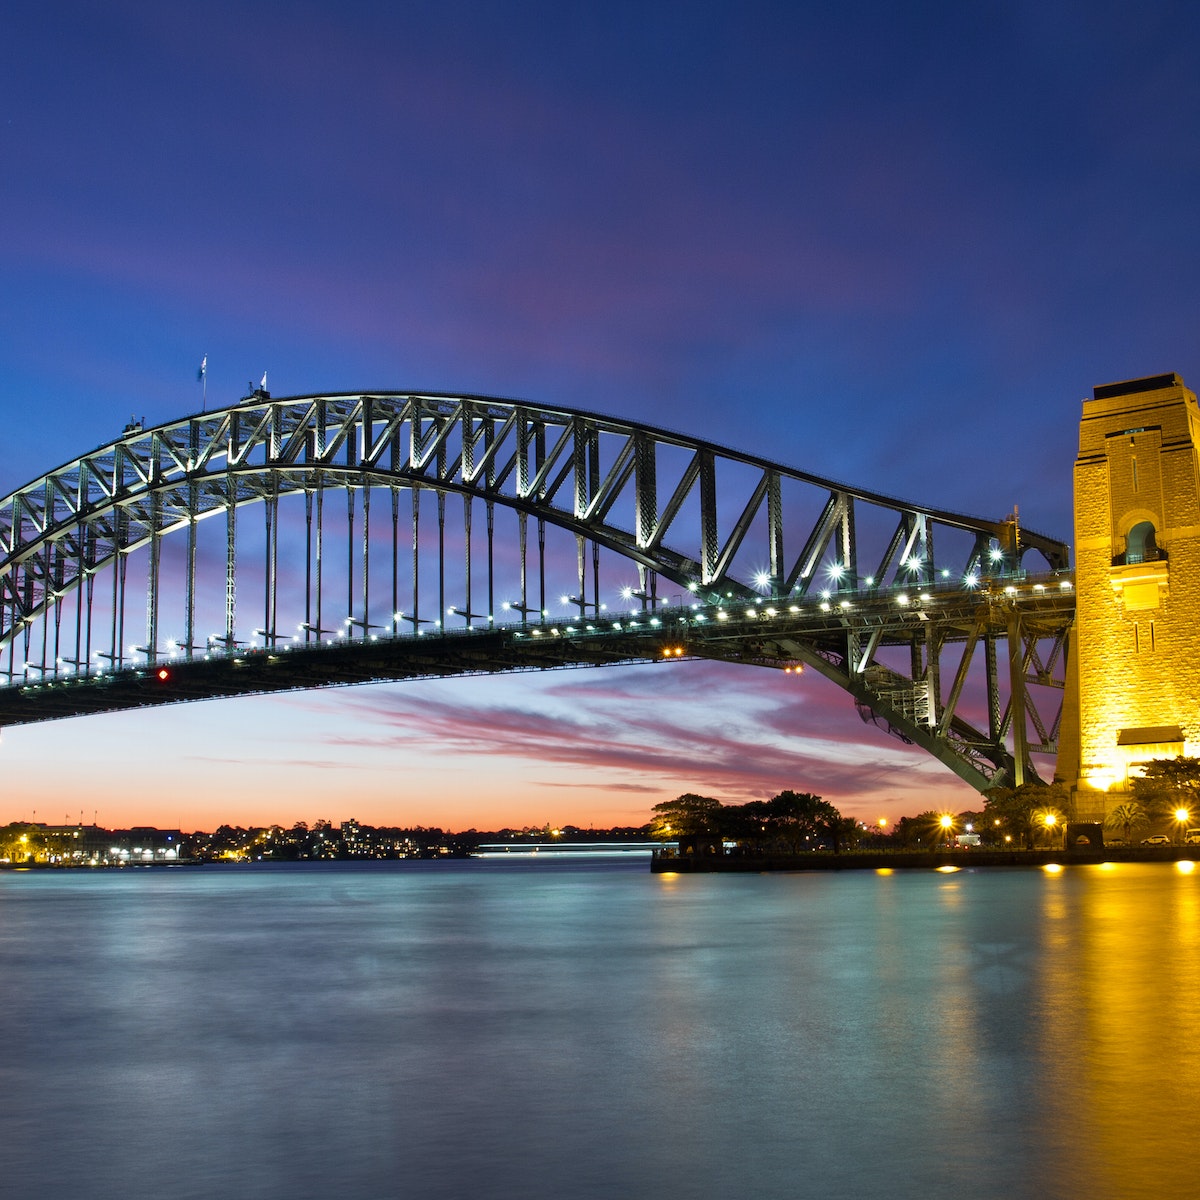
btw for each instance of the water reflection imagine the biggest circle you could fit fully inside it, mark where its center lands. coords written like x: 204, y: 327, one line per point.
x: 1116, y: 994
x: 493, y: 1029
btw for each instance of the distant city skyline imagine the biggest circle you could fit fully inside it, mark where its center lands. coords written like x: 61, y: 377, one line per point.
x: 891, y: 245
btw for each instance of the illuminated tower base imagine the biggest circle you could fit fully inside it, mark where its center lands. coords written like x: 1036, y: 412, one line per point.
x: 1133, y: 693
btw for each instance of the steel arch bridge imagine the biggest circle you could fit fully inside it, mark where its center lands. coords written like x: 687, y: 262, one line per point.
x: 601, y: 541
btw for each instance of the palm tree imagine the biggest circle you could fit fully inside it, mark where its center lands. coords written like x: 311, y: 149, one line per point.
x: 1126, y: 817
x: 1047, y: 822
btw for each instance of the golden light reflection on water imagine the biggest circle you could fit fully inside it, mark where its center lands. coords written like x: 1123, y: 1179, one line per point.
x: 1119, y: 976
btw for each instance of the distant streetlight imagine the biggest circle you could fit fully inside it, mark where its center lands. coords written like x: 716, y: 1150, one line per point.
x: 1050, y: 821
x: 946, y: 821
x: 1182, y: 816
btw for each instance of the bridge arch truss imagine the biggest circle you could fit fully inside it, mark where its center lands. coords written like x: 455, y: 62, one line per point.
x: 383, y: 516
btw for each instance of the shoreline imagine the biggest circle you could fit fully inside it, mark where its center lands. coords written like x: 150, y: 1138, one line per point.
x: 908, y: 860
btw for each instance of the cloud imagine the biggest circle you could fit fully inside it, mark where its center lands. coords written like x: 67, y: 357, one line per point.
x: 738, y: 734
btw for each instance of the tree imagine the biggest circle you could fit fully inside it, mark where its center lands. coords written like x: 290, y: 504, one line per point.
x: 1127, y: 817
x: 800, y: 818
x: 1168, y: 783
x: 1047, y: 822
x: 687, y: 816
x: 749, y: 822
x: 795, y: 820
x: 1015, y: 808
x: 918, y: 830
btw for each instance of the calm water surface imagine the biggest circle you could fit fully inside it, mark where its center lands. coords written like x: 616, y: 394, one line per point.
x: 585, y: 1029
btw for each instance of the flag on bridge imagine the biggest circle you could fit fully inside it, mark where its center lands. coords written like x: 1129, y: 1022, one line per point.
x: 203, y: 369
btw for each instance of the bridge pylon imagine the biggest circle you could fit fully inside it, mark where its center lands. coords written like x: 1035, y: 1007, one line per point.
x: 1133, y: 688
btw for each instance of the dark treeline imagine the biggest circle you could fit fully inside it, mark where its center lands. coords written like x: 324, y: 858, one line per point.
x: 792, y: 822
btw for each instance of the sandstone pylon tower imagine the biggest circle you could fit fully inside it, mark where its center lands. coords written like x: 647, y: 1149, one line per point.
x: 1133, y: 691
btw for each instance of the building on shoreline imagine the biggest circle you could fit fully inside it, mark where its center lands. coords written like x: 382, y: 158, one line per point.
x: 37, y: 844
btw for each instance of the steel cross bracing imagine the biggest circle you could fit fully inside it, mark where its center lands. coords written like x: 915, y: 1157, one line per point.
x: 703, y: 530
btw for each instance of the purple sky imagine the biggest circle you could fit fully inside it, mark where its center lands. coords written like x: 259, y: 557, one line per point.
x: 892, y: 244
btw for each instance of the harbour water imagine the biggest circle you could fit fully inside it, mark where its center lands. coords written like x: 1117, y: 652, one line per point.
x: 550, y: 1027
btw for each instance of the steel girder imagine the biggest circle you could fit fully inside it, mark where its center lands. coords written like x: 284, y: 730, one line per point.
x: 889, y: 653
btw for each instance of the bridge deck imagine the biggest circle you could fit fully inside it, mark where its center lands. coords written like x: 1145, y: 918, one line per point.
x: 767, y: 633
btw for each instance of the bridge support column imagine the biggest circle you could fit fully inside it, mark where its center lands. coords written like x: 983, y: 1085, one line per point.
x: 1134, y: 687
x: 231, y: 564
x: 1016, y: 687
x: 189, y: 585
x: 152, y: 578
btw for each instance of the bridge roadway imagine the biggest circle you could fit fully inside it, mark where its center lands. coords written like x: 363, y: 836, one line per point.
x: 882, y: 646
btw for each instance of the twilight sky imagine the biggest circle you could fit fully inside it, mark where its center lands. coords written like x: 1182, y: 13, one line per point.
x: 893, y: 244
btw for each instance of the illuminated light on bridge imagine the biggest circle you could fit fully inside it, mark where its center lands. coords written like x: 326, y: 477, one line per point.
x: 274, y: 514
